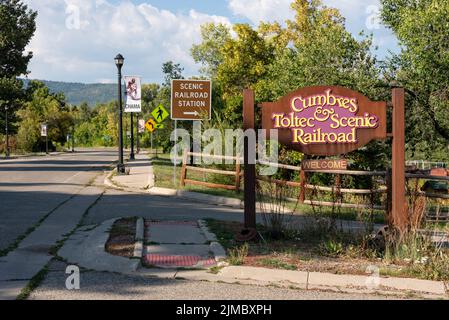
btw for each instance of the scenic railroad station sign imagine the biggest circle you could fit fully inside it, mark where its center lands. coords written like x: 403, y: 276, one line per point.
x: 191, y: 100
x: 326, y: 120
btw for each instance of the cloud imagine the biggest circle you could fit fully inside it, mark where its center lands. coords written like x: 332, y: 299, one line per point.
x: 359, y: 15
x: 262, y: 10
x: 76, y: 40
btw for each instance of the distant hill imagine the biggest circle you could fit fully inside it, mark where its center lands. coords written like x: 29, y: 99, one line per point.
x: 77, y: 93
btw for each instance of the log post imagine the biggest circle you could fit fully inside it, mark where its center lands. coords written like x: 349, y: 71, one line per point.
x: 303, y: 182
x: 399, y: 205
x: 250, y: 168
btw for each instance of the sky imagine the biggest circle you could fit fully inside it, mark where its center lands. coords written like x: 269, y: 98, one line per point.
x: 77, y: 40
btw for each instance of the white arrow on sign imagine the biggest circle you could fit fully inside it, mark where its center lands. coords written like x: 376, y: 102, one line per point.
x: 195, y: 113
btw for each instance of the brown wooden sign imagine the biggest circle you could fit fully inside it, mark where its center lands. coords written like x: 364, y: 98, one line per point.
x: 324, y: 165
x: 325, y: 120
x: 191, y: 99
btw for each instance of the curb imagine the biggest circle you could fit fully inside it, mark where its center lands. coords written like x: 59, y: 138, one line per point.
x: 215, y: 247
x: 138, y: 246
x: 321, y: 282
x: 108, y: 180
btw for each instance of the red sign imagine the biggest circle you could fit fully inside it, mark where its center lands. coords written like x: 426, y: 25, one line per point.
x: 325, y: 120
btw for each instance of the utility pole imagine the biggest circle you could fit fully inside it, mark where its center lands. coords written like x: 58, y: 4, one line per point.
x: 7, y: 153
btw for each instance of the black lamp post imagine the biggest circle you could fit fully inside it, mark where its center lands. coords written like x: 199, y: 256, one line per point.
x: 7, y: 132
x: 131, y: 155
x: 119, y: 60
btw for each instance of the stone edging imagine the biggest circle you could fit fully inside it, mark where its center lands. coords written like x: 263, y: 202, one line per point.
x: 215, y: 247
x: 138, y: 246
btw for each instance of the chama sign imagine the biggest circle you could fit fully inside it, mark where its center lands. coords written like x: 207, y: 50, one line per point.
x: 325, y: 120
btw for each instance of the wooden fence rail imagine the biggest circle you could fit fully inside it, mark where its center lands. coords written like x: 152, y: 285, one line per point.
x: 302, y: 184
x: 237, y: 173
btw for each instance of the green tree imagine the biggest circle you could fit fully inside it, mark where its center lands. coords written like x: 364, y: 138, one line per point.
x: 43, y: 107
x: 422, y: 66
x: 171, y: 71
x: 17, y: 26
x: 209, y: 51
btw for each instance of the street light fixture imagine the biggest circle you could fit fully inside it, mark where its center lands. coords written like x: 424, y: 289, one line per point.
x: 119, y: 61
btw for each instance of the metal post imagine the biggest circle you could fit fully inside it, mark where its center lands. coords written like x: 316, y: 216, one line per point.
x: 131, y: 155
x: 137, y: 134
x: 46, y: 143
x: 176, y: 153
x: 73, y: 138
x: 399, y: 205
x: 120, y: 166
x: 7, y: 153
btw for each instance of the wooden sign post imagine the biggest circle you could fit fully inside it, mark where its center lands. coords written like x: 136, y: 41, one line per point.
x: 399, y: 206
x: 250, y: 164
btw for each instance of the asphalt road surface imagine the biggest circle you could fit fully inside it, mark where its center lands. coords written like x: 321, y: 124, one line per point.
x: 31, y: 188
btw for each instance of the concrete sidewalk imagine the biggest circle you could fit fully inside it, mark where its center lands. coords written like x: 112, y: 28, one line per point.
x: 32, y: 255
x: 140, y: 176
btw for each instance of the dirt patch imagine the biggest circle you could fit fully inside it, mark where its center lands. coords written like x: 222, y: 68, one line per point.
x: 122, y: 238
x: 290, y: 254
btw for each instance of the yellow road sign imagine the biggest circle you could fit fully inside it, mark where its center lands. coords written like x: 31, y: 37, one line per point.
x: 160, y: 113
x: 151, y: 125
x: 160, y: 126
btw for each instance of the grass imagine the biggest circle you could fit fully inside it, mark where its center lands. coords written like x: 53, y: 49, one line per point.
x: 33, y: 284
x: 277, y: 264
x: 224, y: 234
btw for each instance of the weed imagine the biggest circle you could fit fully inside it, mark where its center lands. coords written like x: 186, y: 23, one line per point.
x: 215, y: 270
x: 277, y: 264
x: 331, y: 248
x: 237, y: 255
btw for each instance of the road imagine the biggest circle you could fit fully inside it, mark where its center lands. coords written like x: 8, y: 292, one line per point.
x: 31, y: 188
